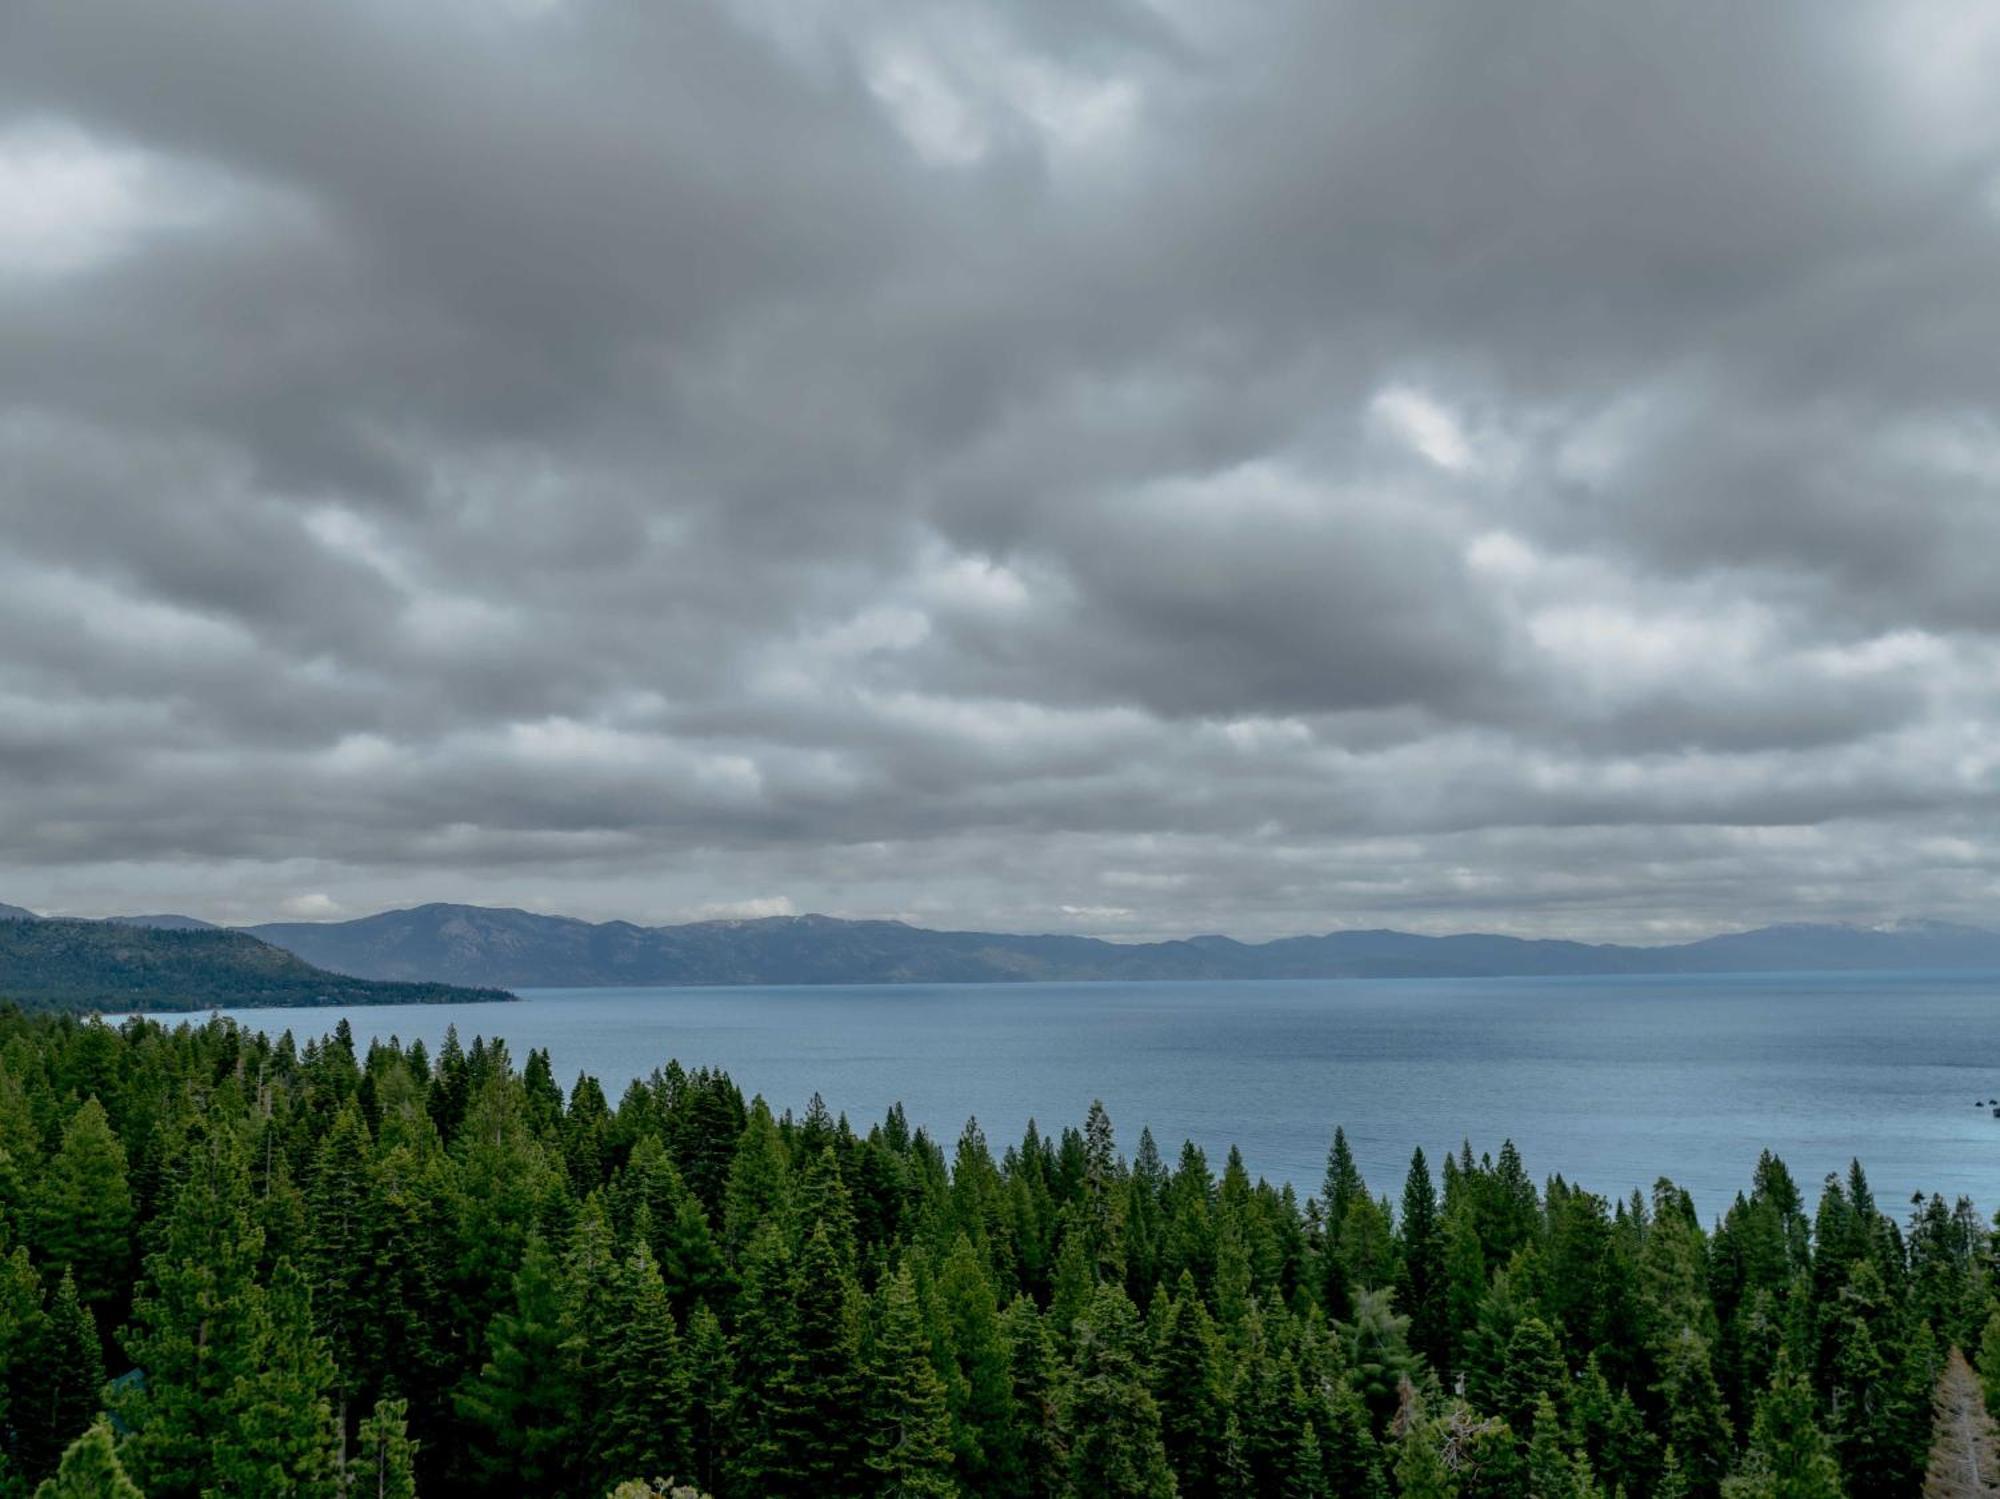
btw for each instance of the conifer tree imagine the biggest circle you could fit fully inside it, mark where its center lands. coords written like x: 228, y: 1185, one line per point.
x: 541, y: 1093
x: 1261, y: 1403
x: 1878, y: 1426
x: 1341, y: 1189
x: 821, y: 1200
x: 450, y: 1087
x: 277, y: 1205
x: 70, y: 1376
x: 1673, y: 1275
x: 1111, y: 1419
x: 90, y: 1470
x: 1192, y: 1390
x: 505, y: 1181
x: 1531, y: 1372
x: 977, y: 1192
x: 1949, y: 1286
x: 1551, y: 1475
x: 1421, y: 1471
x: 196, y: 1321
x: 385, y: 1459
x: 824, y: 1424
x: 1075, y: 1281
x: 909, y: 1448
x: 1488, y: 1461
x: 643, y: 1417
x: 278, y: 1437
x: 20, y: 1161
x: 759, y: 1190
x: 521, y: 1406
x: 585, y: 1124
x: 648, y: 1179
x: 690, y: 1260
x: 1673, y: 1482
x: 761, y: 1421
x: 710, y: 1394
x: 1097, y: 1222
x: 1348, y: 1449
x: 980, y: 1395
x: 1513, y: 1207
x: 85, y: 1210
x: 1037, y: 1414
x: 1989, y: 1362
x: 1789, y: 1456
x: 1145, y: 1191
x: 1464, y: 1285
x: 1609, y: 1429
x: 1187, y: 1241
x: 683, y: 1245
x: 23, y: 1331
x: 1367, y: 1246
x: 1420, y: 1274
x: 1234, y: 1296
x: 1583, y: 1296
x: 1377, y: 1349
x: 413, y: 1345
x: 1306, y: 1472
x: 339, y: 1258
x: 1696, y: 1426
x: 596, y: 1303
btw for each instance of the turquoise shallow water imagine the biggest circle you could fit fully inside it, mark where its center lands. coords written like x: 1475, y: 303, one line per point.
x: 1609, y: 1081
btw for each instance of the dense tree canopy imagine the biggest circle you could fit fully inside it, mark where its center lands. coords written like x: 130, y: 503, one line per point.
x: 85, y: 966
x: 231, y: 1265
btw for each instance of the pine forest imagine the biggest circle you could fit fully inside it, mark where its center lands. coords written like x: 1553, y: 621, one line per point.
x: 242, y: 1268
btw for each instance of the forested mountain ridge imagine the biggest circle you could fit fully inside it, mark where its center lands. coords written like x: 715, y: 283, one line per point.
x: 165, y: 922
x: 97, y: 965
x: 322, y: 1272
x: 520, y: 949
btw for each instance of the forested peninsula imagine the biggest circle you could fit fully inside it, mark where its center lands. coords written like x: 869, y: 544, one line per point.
x: 82, y: 966
x: 235, y: 1266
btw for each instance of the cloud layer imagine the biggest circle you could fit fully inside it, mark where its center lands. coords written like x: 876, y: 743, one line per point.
x: 1126, y: 467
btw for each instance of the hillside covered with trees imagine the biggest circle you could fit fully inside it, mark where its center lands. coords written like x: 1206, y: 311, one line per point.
x: 237, y: 1267
x: 101, y: 965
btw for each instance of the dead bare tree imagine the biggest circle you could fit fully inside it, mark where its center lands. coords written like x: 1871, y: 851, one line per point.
x: 1965, y: 1448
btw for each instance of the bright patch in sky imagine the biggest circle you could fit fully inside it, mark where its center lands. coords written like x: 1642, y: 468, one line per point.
x: 1425, y: 425
x: 64, y: 203
x: 936, y: 119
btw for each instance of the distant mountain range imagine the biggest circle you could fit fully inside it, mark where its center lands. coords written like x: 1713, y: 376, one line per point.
x: 511, y: 949
x: 107, y: 965
x: 508, y: 949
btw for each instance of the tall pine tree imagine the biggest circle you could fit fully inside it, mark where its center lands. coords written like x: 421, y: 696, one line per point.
x: 91, y: 1470
x: 521, y: 1409
x: 197, y: 1319
x: 644, y: 1421
x: 1111, y: 1418
x: 909, y: 1448
x: 84, y: 1220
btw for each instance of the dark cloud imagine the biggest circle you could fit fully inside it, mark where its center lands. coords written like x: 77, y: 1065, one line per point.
x: 1129, y: 467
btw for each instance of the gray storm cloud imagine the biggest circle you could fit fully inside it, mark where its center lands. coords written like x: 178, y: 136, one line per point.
x: 1138, y: 468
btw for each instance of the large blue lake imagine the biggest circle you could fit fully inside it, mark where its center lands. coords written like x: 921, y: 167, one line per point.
x: 1609, y: 1081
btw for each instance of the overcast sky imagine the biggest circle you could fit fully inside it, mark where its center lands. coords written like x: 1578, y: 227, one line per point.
x: 1126, y: 468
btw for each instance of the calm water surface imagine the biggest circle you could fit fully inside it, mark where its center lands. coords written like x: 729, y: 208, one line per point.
x: 1609, y: 1081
